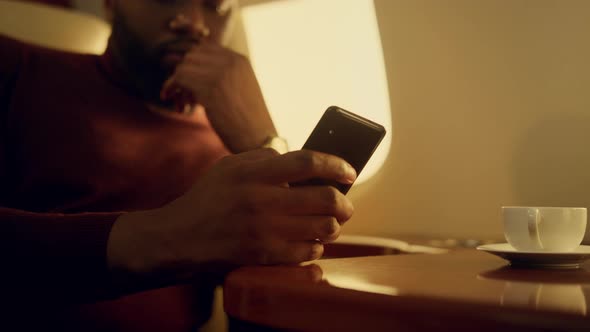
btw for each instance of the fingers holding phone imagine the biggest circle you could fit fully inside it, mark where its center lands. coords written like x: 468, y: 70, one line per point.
x: 239, y: 213
x: 302, y: 165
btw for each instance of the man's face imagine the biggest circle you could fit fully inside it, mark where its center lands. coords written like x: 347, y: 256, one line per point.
x: 149, y: 36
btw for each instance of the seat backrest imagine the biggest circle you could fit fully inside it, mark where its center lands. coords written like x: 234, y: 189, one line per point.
x: 53, y: 27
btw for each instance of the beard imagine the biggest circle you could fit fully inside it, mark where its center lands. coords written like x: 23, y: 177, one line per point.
x: 138, y: 60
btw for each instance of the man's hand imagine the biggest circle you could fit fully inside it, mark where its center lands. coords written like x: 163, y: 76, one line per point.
x: 241, y: 212
x: 222, y: 81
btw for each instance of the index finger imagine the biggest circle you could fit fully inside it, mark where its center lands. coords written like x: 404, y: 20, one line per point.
x: 303, y: 165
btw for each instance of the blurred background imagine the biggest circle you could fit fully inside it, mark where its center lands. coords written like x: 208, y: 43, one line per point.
x: 486, y: 102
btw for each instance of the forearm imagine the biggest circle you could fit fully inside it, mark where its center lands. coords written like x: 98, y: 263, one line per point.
x: 249, y: 127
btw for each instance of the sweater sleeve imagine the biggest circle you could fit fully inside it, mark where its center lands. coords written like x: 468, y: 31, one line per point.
x: 11, y: 55
x: 46, y: 255
x: 50, y: 256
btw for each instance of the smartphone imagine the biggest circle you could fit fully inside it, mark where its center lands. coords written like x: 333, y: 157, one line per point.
x: 346, y: 135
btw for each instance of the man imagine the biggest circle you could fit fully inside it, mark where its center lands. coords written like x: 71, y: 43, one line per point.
x: 143, y: 168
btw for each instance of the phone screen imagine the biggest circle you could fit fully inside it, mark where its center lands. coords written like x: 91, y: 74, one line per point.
x: 346, y: 135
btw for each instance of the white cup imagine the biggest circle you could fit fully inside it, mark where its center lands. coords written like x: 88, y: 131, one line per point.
x: 550, y: 229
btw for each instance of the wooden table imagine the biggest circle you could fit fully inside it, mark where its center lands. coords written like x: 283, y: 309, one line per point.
x: 459, y: 290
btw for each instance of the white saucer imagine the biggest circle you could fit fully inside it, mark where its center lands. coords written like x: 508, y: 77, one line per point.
x: 550, y: 260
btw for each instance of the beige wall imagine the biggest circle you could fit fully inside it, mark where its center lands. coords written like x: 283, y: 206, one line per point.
x: 491, y: 107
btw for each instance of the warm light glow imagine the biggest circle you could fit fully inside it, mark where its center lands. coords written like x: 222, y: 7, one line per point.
x: 311, y: 54
x: 53, y: 27
x: 358, y: 284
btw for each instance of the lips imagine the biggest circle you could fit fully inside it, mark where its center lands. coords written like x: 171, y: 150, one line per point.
x: 173, y: 52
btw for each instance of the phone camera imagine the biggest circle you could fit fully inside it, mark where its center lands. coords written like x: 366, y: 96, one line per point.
x: 331, y: 131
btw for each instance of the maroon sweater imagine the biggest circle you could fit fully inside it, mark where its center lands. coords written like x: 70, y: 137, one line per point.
x: 77, y: 149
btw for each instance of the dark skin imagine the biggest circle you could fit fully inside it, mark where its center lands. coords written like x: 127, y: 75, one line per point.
x: 241, y: 212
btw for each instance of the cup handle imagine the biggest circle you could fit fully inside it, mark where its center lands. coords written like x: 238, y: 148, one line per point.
x: 533, y: 225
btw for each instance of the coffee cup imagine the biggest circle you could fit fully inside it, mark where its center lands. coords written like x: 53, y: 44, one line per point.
x: 544, y: 229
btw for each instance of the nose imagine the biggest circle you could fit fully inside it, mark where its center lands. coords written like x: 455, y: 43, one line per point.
x: 190, y: 21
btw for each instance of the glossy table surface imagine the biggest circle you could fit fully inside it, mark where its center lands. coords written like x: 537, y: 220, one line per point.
x: 458, y: 290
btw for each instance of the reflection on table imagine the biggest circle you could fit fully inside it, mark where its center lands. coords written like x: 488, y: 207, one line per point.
x: 461, y: 289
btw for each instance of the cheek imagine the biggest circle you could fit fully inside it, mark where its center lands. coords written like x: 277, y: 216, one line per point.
x: 148, y: 27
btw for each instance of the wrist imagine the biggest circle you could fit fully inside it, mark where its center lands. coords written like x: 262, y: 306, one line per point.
x: 133, y: 252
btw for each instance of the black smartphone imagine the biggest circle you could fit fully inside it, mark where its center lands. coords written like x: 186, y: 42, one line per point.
x: 346, y: 135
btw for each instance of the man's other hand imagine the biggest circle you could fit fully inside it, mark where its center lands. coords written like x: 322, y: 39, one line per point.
x: 224, y: 83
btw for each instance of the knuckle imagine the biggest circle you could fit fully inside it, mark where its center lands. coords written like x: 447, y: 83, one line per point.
x: 343, y: 169
x: 336, y: 204
x: 267, y: 202
x: 348, y: 210
x: 244, y: 169
x: 330, y: 230
x: 242, y: 172
x: 252, y: 203
x: 315, y: 251
x: 331, y: 198
x: 308, y: 161
x: 303, y: 252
